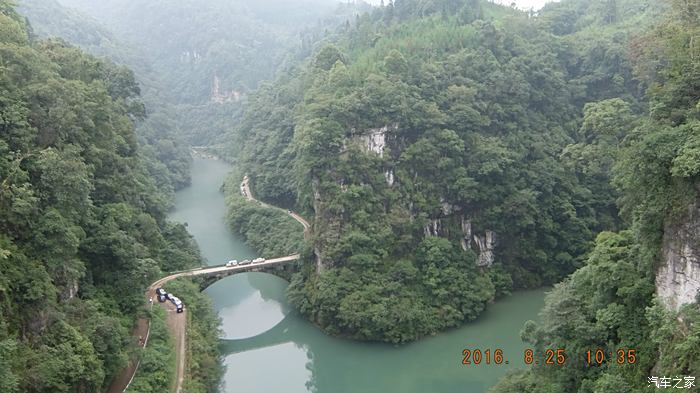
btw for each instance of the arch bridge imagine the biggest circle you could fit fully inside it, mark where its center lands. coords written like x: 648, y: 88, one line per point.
x: 282, y: 266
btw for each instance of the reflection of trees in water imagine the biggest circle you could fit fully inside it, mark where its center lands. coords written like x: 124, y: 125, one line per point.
x: 336, y: 365
x: 311, y: 383
x: 222, y: 382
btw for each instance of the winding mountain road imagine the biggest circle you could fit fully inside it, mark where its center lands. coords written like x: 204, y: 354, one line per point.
x: 245, y: 191
x: 177, y: 323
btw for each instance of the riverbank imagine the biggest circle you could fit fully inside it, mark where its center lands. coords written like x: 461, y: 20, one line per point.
x: 269, y: 230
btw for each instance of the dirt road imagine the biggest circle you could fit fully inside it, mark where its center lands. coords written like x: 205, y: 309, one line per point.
x: 177, y: 324
x: 245, y: 191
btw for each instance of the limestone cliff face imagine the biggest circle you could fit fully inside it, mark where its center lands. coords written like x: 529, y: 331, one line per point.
x: 486, y: 245
x: 678, y: 276
x: 318, y: 223
x: 375, y: 139
x: 450, y: 221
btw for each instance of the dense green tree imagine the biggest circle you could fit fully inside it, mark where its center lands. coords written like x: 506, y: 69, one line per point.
x: 82, y: 225
x: 654, y: 159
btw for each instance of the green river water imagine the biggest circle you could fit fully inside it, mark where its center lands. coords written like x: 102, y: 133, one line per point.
x: 269, y: 348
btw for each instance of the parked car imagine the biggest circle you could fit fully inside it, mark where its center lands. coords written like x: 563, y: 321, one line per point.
x: 232, y: 262
x: 258, y: 260
x: 160, y: 292
x: 180, y: 308
x: 244, y: 262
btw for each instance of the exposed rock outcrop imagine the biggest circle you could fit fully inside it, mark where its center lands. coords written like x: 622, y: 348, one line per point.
x: 190, y: 57
x: 317, y: 208
x: 73, y: 289
x: 389, y: 176
x: 433, y: 228
x: 448, y: 208
x: 486, y: 245
x: 219, y: 96
x: 678, y: 276
x: 466, y: 240
x: 375, y: 139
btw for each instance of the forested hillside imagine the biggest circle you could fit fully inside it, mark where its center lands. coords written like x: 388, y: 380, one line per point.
x: 451, y: 151
x: 192, y: 87
x: 208, y: 56
x: 239, y: 42
x: 82, y: 224
x: 609, y: 304
x: 161, y: 137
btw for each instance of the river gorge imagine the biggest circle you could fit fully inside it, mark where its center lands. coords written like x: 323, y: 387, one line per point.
x: 268, y: 347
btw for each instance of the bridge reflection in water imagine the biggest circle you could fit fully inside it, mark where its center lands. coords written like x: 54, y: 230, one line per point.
x: 281, y: 355
x: 287, y: 330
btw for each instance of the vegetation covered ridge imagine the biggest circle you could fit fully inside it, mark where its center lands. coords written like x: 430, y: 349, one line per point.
x: 271, y: 231
x: 449, y: 152
x: 618, y: 299
x: 83, y: 226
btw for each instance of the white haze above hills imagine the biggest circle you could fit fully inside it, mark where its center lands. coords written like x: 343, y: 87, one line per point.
x: 522, y: 4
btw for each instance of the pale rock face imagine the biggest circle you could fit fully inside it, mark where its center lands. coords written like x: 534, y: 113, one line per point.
x: 678, y: 277
x: 448, y: 208
x: 190, y: 57
x: 433, y: 228
x: 375, y: 139
x: 319, y: 261
x: 486, y: 244
x: 218, y: 96
x: 73, y: 290
x: 317, y: 201
x: 315, y: 183
x: 389, y: 176
x: 466, y: 240
x: 70, y: 290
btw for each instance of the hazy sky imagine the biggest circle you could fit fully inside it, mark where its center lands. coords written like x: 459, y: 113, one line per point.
x: 524, y: 4
x: 527, y: 4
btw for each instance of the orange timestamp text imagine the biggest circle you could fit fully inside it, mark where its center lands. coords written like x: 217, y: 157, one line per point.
x: 549, y: 357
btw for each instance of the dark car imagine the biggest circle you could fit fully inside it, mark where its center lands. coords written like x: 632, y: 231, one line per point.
x: 160, y: 292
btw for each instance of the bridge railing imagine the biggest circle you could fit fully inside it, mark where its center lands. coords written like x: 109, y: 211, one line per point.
x: 194, y: 269
x: 274, y: 260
